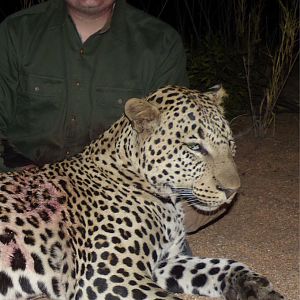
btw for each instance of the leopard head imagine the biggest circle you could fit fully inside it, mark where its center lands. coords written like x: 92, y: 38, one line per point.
x: 185, y: 143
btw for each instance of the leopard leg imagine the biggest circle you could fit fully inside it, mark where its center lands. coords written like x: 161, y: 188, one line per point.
x: 213, y: 277
x: 137, y: 286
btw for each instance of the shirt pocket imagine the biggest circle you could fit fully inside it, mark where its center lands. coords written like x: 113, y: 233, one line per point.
x: 109, y: 106
x: 39, y: 105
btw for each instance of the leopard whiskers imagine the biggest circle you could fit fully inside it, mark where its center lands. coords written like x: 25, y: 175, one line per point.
x: 188, y: 196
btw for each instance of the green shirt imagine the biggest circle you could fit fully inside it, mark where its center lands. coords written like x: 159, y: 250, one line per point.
x: 57, y: 93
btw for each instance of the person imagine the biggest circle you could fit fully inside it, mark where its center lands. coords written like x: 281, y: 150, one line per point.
x: 68, y: 66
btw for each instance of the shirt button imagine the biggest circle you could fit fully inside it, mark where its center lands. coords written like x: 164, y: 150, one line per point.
x: 73, y: 119
x: 81, y: 51
x: 120, y: 101
x: 36, y: 88
x: 77, y: 83
x: 68, y: 153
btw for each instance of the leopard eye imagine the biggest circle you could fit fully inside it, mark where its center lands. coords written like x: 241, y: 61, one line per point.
x: 197, y: 148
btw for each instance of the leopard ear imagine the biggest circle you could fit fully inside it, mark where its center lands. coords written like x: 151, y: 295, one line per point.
x: 143, y: 116
x: 217, y: 93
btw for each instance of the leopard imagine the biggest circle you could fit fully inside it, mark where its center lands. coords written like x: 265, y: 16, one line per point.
x: 108, y: 223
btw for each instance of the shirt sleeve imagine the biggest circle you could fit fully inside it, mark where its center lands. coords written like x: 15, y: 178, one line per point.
x: 8, y: 86
x: 171, y: 65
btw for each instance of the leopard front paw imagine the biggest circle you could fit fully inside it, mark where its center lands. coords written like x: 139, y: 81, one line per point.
x: 250, y: 286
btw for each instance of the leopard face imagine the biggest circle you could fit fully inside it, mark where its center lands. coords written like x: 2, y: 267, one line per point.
x: 185, y: 143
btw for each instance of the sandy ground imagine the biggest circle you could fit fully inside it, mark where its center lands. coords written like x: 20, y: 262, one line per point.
x: 262, y: 228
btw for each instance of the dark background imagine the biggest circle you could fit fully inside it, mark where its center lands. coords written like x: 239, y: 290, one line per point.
x: 192, y: 18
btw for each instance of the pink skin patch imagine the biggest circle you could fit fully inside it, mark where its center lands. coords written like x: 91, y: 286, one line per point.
x: 7, y: 251
x: 37, y: 196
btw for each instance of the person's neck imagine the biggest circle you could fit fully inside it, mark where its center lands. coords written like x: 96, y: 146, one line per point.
x: 87, y: 25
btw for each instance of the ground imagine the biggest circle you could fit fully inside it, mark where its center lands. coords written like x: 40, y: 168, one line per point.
x: 262, y: 228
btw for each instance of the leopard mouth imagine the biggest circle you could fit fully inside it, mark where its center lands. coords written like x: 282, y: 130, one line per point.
x: 199, y: 204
